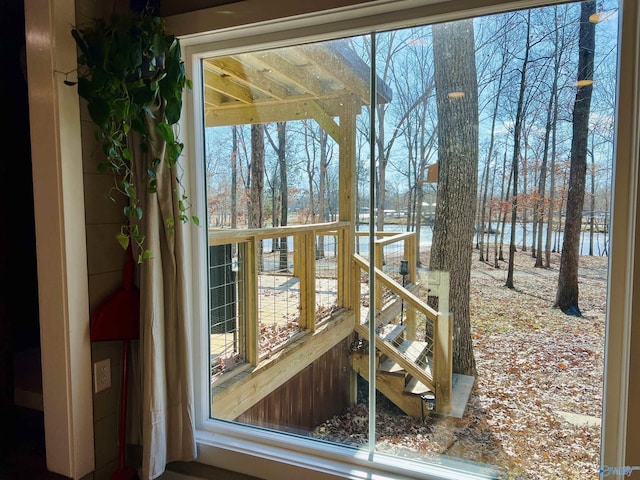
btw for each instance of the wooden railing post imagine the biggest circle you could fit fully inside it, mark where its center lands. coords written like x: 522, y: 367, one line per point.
x: 410, y: 256
x: 297, y: 255
x: 307, y: 282
x: 377, y: 301
x: 438, y: 286
x: 443, y: 361
x: 250, y: 277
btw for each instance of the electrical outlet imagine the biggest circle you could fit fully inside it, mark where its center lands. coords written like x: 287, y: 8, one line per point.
x: 102, y: 375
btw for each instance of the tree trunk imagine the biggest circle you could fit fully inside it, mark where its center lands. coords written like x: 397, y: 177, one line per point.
x: 455, y: 71
x: 516, y: 156
x: 234, y: 179
x: 549, y: 127
x: 284, y: 193
x: 567, y: 294
x: 257, y: 183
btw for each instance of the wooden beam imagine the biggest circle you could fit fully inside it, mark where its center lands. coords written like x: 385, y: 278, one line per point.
x: 267, y: 111
x: 227, y: 87
x: 307, y: 282
x: 348, y: 193
x: 250, y: 274
x: 243, y: 73
x: 340, y: 71
x: 324, y: 120
x: 293, y: 74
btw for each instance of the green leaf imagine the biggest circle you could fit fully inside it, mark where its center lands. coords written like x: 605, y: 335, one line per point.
x: 99, y: 112
x: 123, y: 240
x: 166, y: 132
x: 130, y: 190
x: 195, y: 220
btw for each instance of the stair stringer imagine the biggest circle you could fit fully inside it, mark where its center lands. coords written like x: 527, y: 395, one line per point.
x: 391, y: 385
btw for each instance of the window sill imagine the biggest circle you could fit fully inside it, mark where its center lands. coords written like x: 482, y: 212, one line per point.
x: 272, y: 455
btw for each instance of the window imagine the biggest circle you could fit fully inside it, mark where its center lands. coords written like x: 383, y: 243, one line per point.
x: 288, y: 296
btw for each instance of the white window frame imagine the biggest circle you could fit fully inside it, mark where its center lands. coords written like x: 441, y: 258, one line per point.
x: 253, y: 26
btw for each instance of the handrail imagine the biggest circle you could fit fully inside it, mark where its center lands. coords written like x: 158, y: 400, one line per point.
x: 392, y: 285
x: 225, y: 235
x: 440, y: 380
x: 388, y: 237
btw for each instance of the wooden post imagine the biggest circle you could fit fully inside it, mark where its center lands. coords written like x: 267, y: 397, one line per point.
x: 443, y: 361
x: 377, y: 300
x: 438, y: 286
x: 348, y: 193
x: 297, y: 255
x: 410, y: 256
x: 307, y: 282
x: 342, y: 265
x: 249, y: 273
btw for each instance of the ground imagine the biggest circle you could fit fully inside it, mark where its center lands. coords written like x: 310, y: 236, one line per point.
x: 535, y: 408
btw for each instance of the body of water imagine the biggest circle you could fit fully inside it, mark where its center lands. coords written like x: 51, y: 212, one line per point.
x: 600, y: 240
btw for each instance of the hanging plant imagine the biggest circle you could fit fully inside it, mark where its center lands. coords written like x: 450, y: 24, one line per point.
x: 126, y: 66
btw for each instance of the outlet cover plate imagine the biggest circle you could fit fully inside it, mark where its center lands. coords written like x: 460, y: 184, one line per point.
x: 102, y: 375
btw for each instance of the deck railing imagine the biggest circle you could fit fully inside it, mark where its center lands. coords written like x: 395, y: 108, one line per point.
x: 269, y: 285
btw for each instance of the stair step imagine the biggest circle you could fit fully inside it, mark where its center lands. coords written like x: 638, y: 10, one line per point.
x: 391, y: 333
x: 414, y: 351
x: 392, y: 308
x: 389, y: 312
x: 414, y: 387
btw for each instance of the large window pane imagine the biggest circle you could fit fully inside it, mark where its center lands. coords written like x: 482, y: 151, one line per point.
x: 279, y: 143
x: 487, y: 235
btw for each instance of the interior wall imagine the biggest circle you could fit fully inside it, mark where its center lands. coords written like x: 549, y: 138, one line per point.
x: 105, y: 259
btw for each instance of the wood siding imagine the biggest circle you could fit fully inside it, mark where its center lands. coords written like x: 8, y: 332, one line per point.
x: 316, y: 394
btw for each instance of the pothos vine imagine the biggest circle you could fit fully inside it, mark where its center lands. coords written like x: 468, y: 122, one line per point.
x: 127, y: 66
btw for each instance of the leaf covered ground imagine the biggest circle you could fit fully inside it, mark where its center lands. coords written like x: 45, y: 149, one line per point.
x: 535, y: 407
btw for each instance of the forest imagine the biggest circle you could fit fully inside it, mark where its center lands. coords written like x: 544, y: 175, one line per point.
x: 526, y: 77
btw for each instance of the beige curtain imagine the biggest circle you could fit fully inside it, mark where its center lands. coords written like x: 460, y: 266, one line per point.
x: 166, y: 405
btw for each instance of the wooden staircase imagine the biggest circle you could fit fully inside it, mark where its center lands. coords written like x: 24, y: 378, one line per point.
x: 403, y: 366
x: 414, y: 374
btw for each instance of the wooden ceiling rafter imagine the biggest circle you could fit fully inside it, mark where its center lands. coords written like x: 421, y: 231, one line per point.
x: 246, y: 75
x: 307, y: 81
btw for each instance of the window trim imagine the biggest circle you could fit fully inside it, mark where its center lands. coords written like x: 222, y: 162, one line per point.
x: 227, y: 445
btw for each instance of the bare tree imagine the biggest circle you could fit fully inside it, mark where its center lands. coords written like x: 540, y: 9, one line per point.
x: 516, y: 152
x: 234, y: 178
x: 567, y: 293
x: 457, y: 102
x: 485, y: 188
x: 257, y: 182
